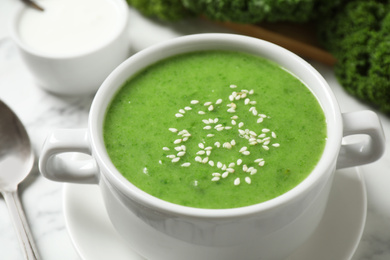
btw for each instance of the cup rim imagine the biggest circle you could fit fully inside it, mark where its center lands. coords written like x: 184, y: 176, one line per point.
x: 121, y: 7
x: 180, y: 45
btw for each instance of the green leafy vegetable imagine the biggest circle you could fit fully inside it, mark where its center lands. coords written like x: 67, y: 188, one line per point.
x: 253, y: 11
x: 358, y: 34
x: 168, y: 10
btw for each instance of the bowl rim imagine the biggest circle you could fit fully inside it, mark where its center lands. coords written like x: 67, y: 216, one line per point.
x: 326, y: 165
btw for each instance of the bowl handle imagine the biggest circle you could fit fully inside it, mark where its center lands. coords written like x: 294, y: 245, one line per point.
x: 66, y: 157
x: 358, y: 149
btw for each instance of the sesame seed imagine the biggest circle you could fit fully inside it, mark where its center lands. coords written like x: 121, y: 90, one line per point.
x: 251, y: 109
x: 266, y: 142
x: 234, y: 122
x: 259, y: 160
x: 201, y: 145
x: 182, y: 111
x: 251, y: 92
x: 183, y: 147
x: 241, y: 124
x: 219, y: 129
x: 205, y: 160
x: 234, y: 117
x: 260, y: 120
x: 171, y: 156
x: 159, y: 161
x: 233, y: 142
x: 206, y: 121
x: 230, y: 170
x: 201, y: 112
x: 219, y: 164
x: 231, y: 98
x: 208, y: 148
x: 246, y: 153
x: 261, y: 163
x: 165, y: 148
x: 215, y: 179
x: 254, y: 112
x: 248, y: 180
x: 211, y: 163
x: 227, y: 145
x: 225, y: 174
x: 273, y: 134
x: 253, y: 171
x: 239, y: 161
x: 216, y: 174
x: 211, y: 108
x: 233, y: 86
x: 276, y: 145
x: 262, y: 115
x: 219, y: 101
x: 210, y: 135
x: 247, y: 100
x: 224, y: 167
x: 207, y: 127
x: 265, y: 147
x: 215, y: 120
x: 245, y: 168
x: 178, y: 148
x: 173, y: 130
x: 244, y: 148
x: 187, y: 164
x: 188, y: 108
x: 194, y: 102
x: 207, y: 104
x: 265, y: 130
x: 228, y: 127
x: 242, y: 132
x: 261, y: 135
x: 237, y: 181
x: 180, y: 154
x: 231, y: 110
x: 177, y: 141
x: 252, y: 133
x: 175, y: 159
x: 253, y: 102
x: 201, y: 152
x: 231, y: 165
x: 178, y: 115
x: 217, y: 144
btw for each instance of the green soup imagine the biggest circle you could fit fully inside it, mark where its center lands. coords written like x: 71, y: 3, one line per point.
x: 214, y: 129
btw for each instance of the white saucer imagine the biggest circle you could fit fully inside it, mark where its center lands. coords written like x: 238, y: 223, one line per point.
x: 337, y: 237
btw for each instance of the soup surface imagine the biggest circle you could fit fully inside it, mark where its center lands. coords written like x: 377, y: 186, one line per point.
x: 214, y: 129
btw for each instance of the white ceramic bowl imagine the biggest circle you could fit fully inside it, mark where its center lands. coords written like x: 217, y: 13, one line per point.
x: 161, y: 230
x: 81, y: 72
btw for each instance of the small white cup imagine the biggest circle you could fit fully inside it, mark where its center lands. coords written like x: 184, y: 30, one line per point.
x: 79, y: 73
x: 157, y: 229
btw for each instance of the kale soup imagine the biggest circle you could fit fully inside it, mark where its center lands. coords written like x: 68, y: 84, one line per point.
x: 214, y: 129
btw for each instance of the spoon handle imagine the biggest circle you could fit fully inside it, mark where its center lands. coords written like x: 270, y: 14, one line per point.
x: 21, y: 225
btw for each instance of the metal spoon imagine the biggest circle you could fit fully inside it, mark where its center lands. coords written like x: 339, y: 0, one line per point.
x: 16, y: 161
x: 33, y: 5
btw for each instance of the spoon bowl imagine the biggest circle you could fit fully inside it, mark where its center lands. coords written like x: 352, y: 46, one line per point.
x: 16, y: 162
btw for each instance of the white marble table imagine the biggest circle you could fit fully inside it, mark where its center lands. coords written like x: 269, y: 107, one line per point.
x: 42, y: 112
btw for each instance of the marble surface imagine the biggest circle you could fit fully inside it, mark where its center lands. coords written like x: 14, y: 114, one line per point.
x: 42, y: 112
